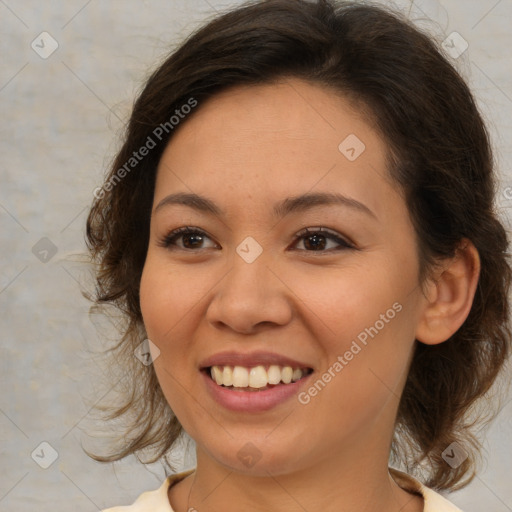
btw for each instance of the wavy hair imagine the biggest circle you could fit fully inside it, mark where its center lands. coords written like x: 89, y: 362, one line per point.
x: 439, y: 155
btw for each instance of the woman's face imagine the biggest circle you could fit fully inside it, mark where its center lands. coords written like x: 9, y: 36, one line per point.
x: 248, y: 173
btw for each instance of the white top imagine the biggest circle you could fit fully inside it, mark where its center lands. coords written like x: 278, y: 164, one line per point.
x: 158, y: 501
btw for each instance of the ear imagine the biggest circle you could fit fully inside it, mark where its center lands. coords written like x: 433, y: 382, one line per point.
x: 449, y: 295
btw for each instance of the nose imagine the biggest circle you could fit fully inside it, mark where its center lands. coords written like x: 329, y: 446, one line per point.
x: 250, y: 298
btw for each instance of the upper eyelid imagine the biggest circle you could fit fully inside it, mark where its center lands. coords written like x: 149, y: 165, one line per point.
x: 183, y: 231
x: 332, y: 234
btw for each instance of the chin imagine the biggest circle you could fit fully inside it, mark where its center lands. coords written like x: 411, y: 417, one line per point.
x: 249, y: 458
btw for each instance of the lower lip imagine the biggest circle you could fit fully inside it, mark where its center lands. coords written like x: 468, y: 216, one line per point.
x: 253, y: 401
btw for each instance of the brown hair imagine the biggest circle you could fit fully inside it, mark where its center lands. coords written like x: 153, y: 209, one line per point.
x: 439, y: 155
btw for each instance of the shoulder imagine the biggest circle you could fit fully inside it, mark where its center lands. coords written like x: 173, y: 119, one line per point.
x: 434, y: 502
x: 157, y: 501
x: 153, y: 501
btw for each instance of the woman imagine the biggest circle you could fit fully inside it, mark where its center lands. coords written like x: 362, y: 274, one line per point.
x: 300, y: 234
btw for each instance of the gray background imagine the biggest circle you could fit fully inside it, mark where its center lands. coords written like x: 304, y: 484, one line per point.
x: 61, y: 118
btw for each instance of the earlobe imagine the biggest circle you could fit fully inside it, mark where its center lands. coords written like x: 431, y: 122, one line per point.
x: 449, y: 296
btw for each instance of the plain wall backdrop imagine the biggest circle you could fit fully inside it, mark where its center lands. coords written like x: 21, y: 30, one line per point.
x: 61, y: 117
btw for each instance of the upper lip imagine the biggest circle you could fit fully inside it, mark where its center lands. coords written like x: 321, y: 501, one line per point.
x: 252, y: 359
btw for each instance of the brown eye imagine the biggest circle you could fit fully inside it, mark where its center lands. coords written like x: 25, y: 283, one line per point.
x: 191, y: 238
x: 318, y: 240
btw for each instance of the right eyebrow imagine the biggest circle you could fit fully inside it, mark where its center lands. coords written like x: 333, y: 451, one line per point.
x: 191, y: 200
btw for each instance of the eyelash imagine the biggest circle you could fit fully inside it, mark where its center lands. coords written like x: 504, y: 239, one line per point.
x: 168, y: 241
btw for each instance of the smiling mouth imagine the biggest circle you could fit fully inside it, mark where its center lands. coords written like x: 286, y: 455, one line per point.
x: 256, y: 378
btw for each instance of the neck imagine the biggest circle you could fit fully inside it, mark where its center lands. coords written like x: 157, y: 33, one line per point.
x: 356, y: 479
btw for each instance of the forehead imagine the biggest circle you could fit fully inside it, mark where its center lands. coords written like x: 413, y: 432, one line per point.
x: 276, y: 140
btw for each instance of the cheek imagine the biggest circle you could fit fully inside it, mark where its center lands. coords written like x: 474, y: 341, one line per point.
x: 166, y: 298
x: 361, y: 323
x: 171, y: 307
x: 152, y: 303
x: 163, y: 311
x: 342, y: 303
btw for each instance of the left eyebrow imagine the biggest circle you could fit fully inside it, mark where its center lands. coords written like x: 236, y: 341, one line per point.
x: 310, y: 200
x: 290, y: 204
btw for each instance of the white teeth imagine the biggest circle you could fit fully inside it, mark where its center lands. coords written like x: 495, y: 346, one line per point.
x: 255, y: 377
x: 216, y: 374
x: 274, y: 374
x: 297, y: 374
x: 286, y: 374
x: 240, y: 377
x: 227, y: 376
x: 258, y: 377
